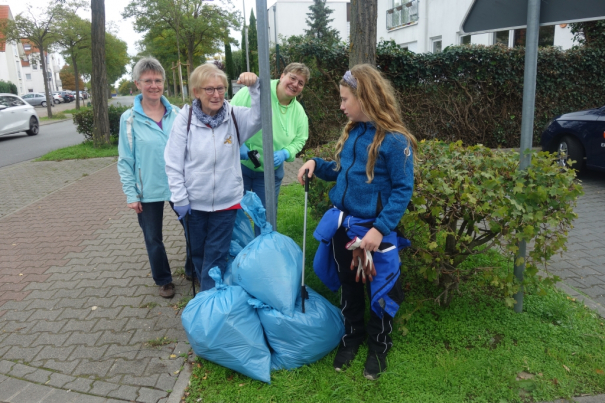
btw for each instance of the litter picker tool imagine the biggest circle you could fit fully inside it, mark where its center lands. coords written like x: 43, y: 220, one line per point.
x: 303, y: 289
x: 186, y: 219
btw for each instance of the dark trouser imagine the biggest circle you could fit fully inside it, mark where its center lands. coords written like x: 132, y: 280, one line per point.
x: 188, y: 263
x: 210, y: 237
x: 352, y: 303
x: 150, y: 220
x: 255, y: 181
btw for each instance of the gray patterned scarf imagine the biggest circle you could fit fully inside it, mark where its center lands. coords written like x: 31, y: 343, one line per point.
x: 212, y: 121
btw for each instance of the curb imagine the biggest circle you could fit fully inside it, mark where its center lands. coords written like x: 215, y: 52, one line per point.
x: 181, y: 384
x: 50, y: 122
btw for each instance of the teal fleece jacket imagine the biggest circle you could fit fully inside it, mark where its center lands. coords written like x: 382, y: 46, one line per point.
x: 141, y: 153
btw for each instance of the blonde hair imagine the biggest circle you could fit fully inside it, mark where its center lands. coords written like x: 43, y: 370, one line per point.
x: 298, y: 68
x: 377, y: 100
x: 203, y: 73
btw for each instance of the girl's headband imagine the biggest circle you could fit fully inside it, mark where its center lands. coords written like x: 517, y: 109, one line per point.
x: 349, y: 79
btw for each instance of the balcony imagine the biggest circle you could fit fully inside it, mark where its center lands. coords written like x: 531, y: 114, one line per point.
x: 402, y: 15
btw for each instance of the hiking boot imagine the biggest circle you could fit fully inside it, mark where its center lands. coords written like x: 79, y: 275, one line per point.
x: 167, y: 291
x: 375, y: 365
x: 344, y: 356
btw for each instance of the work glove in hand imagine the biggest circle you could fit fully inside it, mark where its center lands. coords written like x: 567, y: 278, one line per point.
x: 182, y: 210
x: 279, y: 157
x: 243, y: 152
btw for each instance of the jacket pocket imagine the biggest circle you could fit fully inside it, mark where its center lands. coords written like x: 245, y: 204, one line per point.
x: 199, y: 186
x: 229, y: 186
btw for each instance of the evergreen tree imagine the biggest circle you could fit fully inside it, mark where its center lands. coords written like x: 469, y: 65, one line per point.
x: 229, y: 67
x: 318, y: 22
x: 253, y: 44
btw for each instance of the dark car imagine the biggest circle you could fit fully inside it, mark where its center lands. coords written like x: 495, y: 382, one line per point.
x: 67, y: 96
x: 579, y: 137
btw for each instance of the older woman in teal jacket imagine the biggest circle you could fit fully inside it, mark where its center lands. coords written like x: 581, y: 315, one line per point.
x: 144, y: 131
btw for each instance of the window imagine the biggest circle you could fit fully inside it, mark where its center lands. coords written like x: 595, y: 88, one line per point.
x: 501, y: 37
x: 465, y: 40
x: 402, y: 13
x: 436, y: 45
x: 546, y: 37
x: 34, y: 65
x: 30, y: 90
x: 28, y: 76
x: 27, y: 46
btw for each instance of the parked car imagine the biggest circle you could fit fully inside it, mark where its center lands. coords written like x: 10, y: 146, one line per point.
x: 578, y: 137
x: 35, y: 99
x: 66, y: 95
x: 16, y: 116
x: 57, y: 99
x: 83, y: 95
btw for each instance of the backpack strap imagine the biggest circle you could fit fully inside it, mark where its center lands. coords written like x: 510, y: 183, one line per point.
x: 235, y: 123
x: 189, y: 119
x: 129, y: 128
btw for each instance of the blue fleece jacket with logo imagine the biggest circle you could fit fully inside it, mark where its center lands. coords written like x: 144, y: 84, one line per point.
x: 387, y: 197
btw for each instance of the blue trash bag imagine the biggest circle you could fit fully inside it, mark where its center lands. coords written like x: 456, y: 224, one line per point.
x: 270, y: 267
x: 234, y: 250
x: 223, y: 328
x: 303, y: 338
x: 243, y: 233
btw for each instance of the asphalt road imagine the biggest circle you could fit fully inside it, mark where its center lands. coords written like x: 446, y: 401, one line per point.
x: 21, y: 147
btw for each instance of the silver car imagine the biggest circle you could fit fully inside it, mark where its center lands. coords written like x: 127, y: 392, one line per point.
x: 35, y: 98
x: 16, y: 116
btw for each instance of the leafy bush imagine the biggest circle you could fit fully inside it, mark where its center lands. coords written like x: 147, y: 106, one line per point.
x: 467, y: 199
x: 8, y: 87
x: 469, y: 93
x: 84, y: 120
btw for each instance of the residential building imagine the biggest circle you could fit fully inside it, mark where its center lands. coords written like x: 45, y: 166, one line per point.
x: 417, y: 25
x: 10, y: 57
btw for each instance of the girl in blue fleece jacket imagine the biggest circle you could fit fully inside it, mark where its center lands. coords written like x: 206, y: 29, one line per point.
x: 374, y: 174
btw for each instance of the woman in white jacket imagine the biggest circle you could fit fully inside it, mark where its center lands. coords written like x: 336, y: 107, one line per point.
x: 203, y: 166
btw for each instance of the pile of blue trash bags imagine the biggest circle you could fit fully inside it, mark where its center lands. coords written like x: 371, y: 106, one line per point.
x: 252, y: 321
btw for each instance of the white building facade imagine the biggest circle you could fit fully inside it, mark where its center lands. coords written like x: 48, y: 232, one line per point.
x: 418, y: 25
x: 10, y: 57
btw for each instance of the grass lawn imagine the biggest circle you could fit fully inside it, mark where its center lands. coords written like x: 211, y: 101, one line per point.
x: 476, y: 350
x: 56, y: 116
x: 82, y: 151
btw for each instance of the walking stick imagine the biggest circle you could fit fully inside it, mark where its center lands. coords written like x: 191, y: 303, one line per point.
x: 303, y: 289
x: 189, y: 253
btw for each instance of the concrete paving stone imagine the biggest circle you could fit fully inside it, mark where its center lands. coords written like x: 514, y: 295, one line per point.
x: 129, y: 352
x: 41, y: 294
x: 58, y: 353
x: 135, y: 281
x: 97, y: 260
x: 79, y: 326
x: 125, y: 392
x: 182, y: 348
x: 59, y: 380
x: 144, y: 336
x: 91, y: 283
x: 80, y: 262
x: 64, y: 366
x: 66, y: 284
x: 91, y: 242
x: 12, y: 386
x: 120, y: 291
x: 45, y: 314
x: 68, y: 303
x: 32, y: 393
x: 104, y: 313
x: 129, y: 367
x: 87, y: 274
x: 37, y: 286
x: 79, y: 385
x: 149, y: 381
x: 166, y: 322
x: 129, y: 267
x: 101, y: 388
x: 112, y: 281
x: 104, y: 324
x: 17, y: 316
x: 114, y: 379
x: 60, y: 396
x: 75, y: 313
x: 41, y: 304
x: 130, y: 312
x: 51, y: 339
x: 105, y: 302
x: 155, y: 352
x: 141, y: 323
x: 16, y: 305
x: 175, y: 334
x: 147, y: 395
x: 96, y: 368
x: 62, y: 277
x: 38, y: 376
x: 165, y: 382
x: 594, y: 291
x: 109, y: 337
x: 20, y: 370
x: 21, y: 339
x: 22, y: 353
x: 166, y: 366
x: 48, y: 326
x: 89, y: 353
x: 6, y: 366
x: 87, y: 339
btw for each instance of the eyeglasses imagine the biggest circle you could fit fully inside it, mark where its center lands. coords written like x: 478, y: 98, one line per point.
x: 210, y: 90
x: 296, y: 80
x: 149, y: 83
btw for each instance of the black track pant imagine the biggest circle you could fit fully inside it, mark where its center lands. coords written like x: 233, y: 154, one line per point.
x: 352, y: 303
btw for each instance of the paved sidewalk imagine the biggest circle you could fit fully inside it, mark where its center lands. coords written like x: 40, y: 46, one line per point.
x: 78, y: 307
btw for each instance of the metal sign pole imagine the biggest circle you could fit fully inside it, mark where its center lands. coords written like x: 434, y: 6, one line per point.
x: 246, y: 38
x: 264, y: 68
x: 527, y: 121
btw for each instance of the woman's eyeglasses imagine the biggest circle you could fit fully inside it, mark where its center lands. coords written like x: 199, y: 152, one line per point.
x: 210, y: 90
x: 149, y: 83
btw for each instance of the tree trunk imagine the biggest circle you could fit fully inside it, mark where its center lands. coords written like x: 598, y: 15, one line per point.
x: 49, y: 100
x: 363, y: 32
x: 73, y: 62
x: 99, y: 75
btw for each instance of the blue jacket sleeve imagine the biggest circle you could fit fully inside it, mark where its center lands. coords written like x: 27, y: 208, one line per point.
x: 400, y: 165
x: 325, y: 170
x: 126, y: 161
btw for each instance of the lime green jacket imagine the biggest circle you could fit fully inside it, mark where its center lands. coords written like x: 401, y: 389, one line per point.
x: 290, y: 130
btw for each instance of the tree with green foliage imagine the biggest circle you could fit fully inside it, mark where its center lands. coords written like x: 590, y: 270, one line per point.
x: 229, y: 67
x: 238, y: 56
x: 243, y: 64
x: 116, y: 58
x: 589, y: 33
x: 37, y: 27
x: 318, y: 20
x: 68, y: 79
x: 126, y: 86
x: 253, y: 44
x: 8, y: 87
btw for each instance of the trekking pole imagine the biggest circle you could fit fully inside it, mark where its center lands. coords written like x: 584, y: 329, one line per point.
x: 303, y: 289
x: 189, y: 252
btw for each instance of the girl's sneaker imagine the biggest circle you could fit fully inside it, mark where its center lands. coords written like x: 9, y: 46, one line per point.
x: 375, y: 365
x: 344, y: 356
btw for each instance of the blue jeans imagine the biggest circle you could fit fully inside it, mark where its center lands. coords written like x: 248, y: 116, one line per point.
x: 255, y: 181
x: 209, y: 233
x: 150, y: 220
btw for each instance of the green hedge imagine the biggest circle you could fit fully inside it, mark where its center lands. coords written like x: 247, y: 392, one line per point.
x: 83, y: 119
x: 470, y: 93
x: 8, y: 87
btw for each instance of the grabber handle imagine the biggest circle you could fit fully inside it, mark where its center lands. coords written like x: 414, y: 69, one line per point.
x: 306, y: 177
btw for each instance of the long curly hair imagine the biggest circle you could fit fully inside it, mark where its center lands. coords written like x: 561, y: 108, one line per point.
x: 376, y: 97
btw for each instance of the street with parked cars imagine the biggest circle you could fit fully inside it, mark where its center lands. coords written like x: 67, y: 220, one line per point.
x: 16, y: 116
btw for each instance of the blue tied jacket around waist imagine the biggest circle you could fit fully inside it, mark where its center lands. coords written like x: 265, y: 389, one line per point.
x: 386, y: 259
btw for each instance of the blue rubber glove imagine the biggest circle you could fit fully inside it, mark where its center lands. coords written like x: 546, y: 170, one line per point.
x: 280, y: 156
x: 243, y: 152
x: 182, y: 210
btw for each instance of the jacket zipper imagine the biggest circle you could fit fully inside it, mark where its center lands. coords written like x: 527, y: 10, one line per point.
x: 351, y: 166
x: 214, y: 168
x: 141, y: 179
